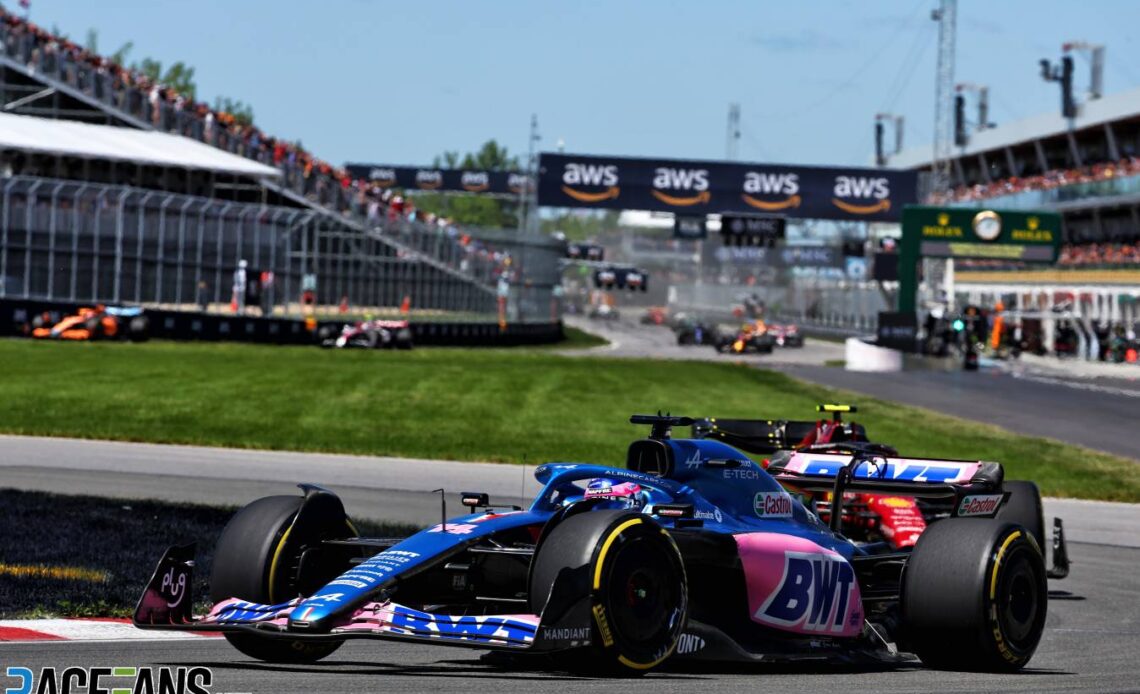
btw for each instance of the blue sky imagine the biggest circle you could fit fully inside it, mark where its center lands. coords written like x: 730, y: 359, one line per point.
x: 399, y: 82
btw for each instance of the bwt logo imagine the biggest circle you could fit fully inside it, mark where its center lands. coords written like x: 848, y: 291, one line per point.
x: 770, y: 184
x: 593, y: 176
x: 862, y: 188
x: 667, y: 178
x: 96, y: 680
x: 814, y: 593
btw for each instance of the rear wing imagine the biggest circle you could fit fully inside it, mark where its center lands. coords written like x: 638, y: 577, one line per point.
x: 975, y: 487
x: 868, y: 472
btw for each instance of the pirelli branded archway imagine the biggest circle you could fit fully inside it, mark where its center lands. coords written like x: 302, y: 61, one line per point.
x: 705, y: 187
x: 430, y: 179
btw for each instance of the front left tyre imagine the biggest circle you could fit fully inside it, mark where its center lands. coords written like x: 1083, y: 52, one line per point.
x: 632, y: 572
x: 255, y: 561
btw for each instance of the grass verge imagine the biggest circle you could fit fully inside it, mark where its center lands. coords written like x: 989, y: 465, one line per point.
x: 490, y: 405
x: 81, y: 556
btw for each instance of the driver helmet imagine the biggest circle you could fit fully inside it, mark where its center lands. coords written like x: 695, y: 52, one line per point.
x: 619, y: 494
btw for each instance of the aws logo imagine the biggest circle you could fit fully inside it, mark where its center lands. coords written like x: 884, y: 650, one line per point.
x: 576, y: 176
x: 667, y: 180
x: 382, y: 177
x: 475, y: 181
x: 429, y: 179
x: 862, y: 188
x: 517, y: 183
x: 769, y: 185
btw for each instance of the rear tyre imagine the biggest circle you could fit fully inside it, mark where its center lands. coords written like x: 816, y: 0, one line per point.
x: 251, y: 563
x: 1024, y: 507
x: 633, y: 574
x: 974, y: 596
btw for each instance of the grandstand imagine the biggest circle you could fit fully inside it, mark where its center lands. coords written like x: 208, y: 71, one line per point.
x: 1087, y: 168
x: 102, y: 169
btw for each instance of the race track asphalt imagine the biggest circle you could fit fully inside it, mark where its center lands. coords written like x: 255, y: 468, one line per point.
x: 1091, y: 641
x: 1090, y: 644
x: 1055, y: 402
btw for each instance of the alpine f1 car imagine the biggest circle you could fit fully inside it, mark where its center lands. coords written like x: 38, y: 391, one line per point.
x: 894, y: 519
x: 99, y: 322
x: 692, y: 551
x: 371, y: 334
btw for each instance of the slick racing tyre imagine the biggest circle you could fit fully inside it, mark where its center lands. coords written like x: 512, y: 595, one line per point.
x: 974, y: 596
x: 254, y: 561
x: 633, y: 574
x: 1024, y: 507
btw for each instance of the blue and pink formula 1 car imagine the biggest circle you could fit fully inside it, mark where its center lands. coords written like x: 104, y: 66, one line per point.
x: 692, y: 551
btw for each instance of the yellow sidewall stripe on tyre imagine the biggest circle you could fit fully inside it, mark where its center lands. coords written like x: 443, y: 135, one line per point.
x: 273, y: 563
x: 997, y: 561
x: 605, y: 548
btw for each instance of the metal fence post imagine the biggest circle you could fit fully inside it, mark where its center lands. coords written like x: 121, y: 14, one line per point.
x: 119, y: 245
x: 160, y: 258
x: 140, y: 228
x: 76, y: 223
x: 182, y: 253
x: 29, y: 209
x: 4, y: 238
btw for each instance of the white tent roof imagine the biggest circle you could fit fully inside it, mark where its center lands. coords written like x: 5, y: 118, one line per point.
x: 87, y: 141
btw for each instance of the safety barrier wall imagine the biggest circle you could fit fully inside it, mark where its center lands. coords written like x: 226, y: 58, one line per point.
x: 16, y: 316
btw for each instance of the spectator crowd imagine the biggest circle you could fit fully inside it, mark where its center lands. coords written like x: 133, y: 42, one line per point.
x: 137, y: 95
x: 1045, y: 181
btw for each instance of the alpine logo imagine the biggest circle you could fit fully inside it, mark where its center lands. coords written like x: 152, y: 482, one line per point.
x: 593, y: 176
x: 694, y: 460
x: 684, y: 181
x: 980, y: 505
x: 862, y: 188
x: 814, y: 593
x: 772, y: 504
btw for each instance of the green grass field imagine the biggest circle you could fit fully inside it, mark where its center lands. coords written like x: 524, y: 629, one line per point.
x: 489, y: 405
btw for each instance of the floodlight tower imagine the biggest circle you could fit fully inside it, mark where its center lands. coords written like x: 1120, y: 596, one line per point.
x: 946, y: 15
x: 732, y: 135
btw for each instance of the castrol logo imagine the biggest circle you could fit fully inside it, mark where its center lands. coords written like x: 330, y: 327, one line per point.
x: 772, y: 504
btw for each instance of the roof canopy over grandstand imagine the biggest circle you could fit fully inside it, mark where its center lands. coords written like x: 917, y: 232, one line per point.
x: 1096, y: 112
x: 87, y: 141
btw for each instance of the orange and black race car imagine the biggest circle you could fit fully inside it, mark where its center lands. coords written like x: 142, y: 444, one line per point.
x: 100, y: 322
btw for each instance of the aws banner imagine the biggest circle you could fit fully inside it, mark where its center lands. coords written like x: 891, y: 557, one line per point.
x: 704, y: 187
x: 441, y: 180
